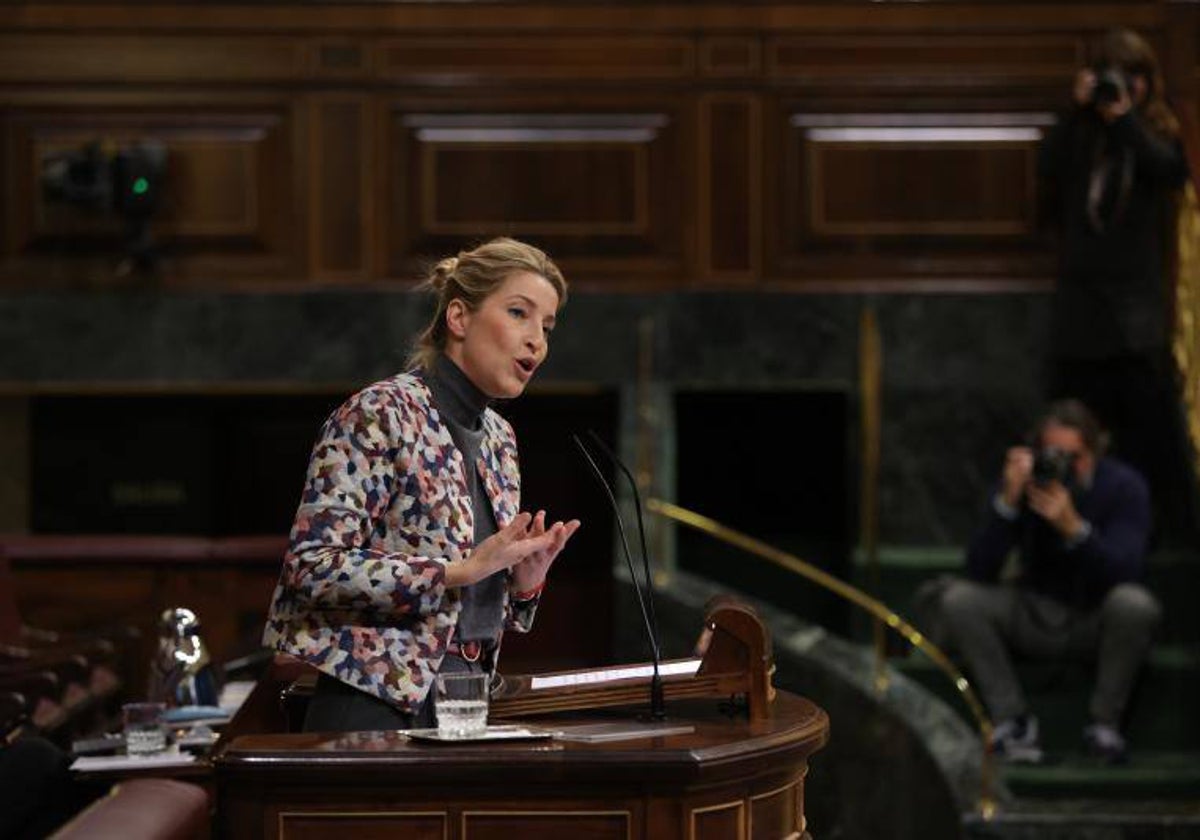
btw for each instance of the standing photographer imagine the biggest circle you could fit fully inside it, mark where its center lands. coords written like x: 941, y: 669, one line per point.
x: 1079, y: 521
x: 1113, y: 168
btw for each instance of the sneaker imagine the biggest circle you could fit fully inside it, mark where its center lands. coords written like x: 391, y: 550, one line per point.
x: 1105, y: 743
x: 1016, y: 740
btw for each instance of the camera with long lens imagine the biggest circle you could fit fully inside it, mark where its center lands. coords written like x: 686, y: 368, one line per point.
x: 1051, y: 464
x: 1112, y: 85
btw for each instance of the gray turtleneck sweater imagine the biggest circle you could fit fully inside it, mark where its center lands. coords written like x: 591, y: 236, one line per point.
x: 461, y: 405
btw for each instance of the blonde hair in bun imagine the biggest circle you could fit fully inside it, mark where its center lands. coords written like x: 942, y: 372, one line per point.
x: 442, y: 273
x: 470, y: 277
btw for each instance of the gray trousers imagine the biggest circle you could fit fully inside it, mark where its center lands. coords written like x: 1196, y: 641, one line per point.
x: 987, y: 623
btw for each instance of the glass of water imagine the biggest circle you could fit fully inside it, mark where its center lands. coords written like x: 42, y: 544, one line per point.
x: 145, y: 730
x: 461, y: 705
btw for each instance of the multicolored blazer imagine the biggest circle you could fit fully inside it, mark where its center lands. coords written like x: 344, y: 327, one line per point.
x: 385, y: 508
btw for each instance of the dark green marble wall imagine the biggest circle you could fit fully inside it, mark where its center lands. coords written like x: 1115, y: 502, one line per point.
x: 961, y: 372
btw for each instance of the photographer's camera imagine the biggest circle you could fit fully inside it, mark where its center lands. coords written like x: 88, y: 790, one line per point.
x: 1112, y: 85
x: 1052, y: 464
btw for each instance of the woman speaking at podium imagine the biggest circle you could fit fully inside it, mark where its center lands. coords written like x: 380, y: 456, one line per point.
x: 409, y: 555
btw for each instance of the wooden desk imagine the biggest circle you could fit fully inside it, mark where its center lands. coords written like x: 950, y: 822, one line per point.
x: 730, y: 778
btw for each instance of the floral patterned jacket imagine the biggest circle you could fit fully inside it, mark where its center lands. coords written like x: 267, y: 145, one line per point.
x: 385, y: 508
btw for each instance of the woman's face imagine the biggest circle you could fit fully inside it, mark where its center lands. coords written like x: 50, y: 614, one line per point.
x: 501, y: 344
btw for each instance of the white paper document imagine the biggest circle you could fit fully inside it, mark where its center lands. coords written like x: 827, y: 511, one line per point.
x: 605, y: 675
x: 88, y: 763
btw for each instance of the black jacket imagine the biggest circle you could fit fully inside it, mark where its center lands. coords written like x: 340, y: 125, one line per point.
x: 1110, y: 189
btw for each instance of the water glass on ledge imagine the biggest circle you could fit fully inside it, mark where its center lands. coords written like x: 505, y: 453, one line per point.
x: 145, y: 729
x: 461, y: 705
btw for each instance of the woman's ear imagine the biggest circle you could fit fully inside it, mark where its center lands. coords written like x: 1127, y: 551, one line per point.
x: 458, y: 316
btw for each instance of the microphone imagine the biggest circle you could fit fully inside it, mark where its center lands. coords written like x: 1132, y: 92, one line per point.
x: 649, y: 619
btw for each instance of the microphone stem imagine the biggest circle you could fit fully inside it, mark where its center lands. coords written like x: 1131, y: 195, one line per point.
x: 658, y: 704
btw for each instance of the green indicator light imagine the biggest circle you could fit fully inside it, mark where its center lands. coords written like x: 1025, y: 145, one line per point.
x: 140, y: 186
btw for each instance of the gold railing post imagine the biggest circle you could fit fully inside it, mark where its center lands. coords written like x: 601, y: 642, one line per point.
x: 870, y: 385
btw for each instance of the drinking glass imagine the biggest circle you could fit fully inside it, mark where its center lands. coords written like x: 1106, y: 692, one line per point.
x: 461, y: 705
x: 145, y: 730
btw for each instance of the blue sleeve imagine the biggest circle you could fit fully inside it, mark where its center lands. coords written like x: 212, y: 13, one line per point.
x: 991, y: 544
x: 1116, y: 548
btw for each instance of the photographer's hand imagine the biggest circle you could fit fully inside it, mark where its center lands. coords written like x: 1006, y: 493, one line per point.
x: 1018, y: 467
x: 1110, y: 112
x: 1053, y: 503
x: 1084, y: 87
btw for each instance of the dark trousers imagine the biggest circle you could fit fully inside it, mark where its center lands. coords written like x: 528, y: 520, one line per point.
x: 338, y: 707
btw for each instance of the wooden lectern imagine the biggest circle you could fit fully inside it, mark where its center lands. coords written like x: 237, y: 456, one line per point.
x: 738, y: 773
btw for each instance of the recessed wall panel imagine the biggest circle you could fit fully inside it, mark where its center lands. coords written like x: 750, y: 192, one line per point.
x: 894, y: 193
x: 590, y: 187
x: 226, y: 190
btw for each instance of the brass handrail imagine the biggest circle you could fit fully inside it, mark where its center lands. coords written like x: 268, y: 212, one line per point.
x: 987, y: 803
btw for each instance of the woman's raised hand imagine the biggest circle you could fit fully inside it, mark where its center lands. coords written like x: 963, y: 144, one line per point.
x: 509, y: 546
x: 530, y: 573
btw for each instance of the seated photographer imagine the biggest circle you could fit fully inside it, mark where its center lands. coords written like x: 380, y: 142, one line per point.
x: 1080, y: 523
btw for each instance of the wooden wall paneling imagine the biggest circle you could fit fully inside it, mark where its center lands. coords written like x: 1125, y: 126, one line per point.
x: 599, y: 189
x: 388, y: 212
x: 905, y: 60
x: 363, y: 825
x: 640, y: 16
x: 569, y: 181
x: 227, y: 205
x: 647, y: 217
x: 777, y: 813
x: 12, y: 189
x: 729, y: 181
x: 720, y: 821
x: 151, y: 57
x: 731, y: 57
x: 342, y: 58
x: 567, y: 819
x: 907, y: 194
x: 340, y: 207
x: 916, y: 181
x: 562, y: 58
